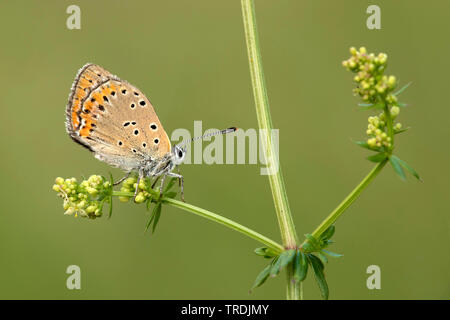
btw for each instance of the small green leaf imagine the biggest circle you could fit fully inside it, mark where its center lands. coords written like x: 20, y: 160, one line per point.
x: 397, y: 167
x: 300, y: 266
x: 157, y: 210
x: 307, y: 247
x: 311, y: 244
x: 365, y: 145
x: 286, y: 257
x: 171, y: 194
x: 313, y: 241
x: 111, y: 181
x: 401, y: 130
x: 170, y: 184
x: 265, y: 252
x: 402, y: 89
x: 332, y: 254
x: 407, y: 167
x: 322, y: 257
x: 275, y: 269
x: 377, y: 157
x: 149, y: 203
x: 368, y: 106
x: 261, y: 251
x: 262, y: 277
x: 327, y: 234
x: 317, y: 266
x: 110, y: 207
x: 149, y: 222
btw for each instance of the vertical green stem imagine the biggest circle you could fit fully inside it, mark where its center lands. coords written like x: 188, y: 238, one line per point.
x: 389, y: 124
x: 286, y: 224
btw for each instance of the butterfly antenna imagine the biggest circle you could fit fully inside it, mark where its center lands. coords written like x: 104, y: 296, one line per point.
x: 215, y: 133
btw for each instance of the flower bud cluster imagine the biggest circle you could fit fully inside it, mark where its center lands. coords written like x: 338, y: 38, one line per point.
x: 129, y: 186
x: 83, y: 199
x: 370, y: 78
x: 376, y: 130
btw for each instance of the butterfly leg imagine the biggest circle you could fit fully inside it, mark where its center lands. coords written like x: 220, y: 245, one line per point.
x: 154, y: 182
x: 162, y: 185
x: 121, y: 180
x: 137, y: 185
x: 181, y: 179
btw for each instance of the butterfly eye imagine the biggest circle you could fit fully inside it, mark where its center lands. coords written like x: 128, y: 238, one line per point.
x: 180, y: 154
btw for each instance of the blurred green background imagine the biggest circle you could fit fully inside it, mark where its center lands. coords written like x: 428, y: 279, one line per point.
x: 190, y: 58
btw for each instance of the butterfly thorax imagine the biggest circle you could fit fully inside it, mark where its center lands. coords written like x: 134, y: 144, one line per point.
x: 157, y: 167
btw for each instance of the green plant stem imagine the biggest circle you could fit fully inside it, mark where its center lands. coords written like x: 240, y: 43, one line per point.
x: 348, y: 200
x: 389, y: 124
x: 216, y: 218
x: 285, y: 221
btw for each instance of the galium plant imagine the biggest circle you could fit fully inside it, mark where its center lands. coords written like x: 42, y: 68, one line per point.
x: 377, y: 90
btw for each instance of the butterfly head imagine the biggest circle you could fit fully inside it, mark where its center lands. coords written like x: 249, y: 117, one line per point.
x: 178, y: 153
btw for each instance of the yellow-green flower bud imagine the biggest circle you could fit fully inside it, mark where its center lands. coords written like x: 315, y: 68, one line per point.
x: 56, y: 188
x: 92, y: 191
x: 382, y: 58
x: 82, y: 213
x: 365, y: 85
x: 81, y: 204
x: 398, y: 126
x: 84, y: 184
x: 91, y: 209
x: 395, y: 111
x: 380, y: 88
x: 391, y: 81
x: 59, y: 180
x: 353, y: 51
x: 69, y: 211
x: 371, y: 142
x: 362, y: 50
x: 142, y: 184
x: 139, y: 198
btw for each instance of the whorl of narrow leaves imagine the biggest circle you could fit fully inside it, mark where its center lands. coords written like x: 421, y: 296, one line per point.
x: 310, y: 255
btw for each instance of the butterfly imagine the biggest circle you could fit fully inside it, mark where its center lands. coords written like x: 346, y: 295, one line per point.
x: 118, y: 123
